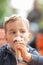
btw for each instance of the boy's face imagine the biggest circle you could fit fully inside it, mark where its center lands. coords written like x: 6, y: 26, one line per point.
x: 16, y: 29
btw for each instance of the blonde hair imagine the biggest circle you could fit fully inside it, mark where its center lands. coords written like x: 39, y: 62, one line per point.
x: 15, y: 18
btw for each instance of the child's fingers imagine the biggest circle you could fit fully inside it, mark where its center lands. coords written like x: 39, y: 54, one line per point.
x: 20, y: 45
x: 23, y: 52
x: 22, y: 48
x: 17, y: 44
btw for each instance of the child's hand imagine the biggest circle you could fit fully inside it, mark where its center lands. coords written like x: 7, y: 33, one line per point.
x: 24, y: 52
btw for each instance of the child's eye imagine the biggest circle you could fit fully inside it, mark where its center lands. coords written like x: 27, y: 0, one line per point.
x: 13, y: 32
x: 23, y: 31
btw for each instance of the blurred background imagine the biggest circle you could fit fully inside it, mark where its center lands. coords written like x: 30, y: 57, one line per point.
x: 30, y: 9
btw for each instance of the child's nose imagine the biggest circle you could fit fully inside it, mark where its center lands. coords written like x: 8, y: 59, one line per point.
x: 18, y: 33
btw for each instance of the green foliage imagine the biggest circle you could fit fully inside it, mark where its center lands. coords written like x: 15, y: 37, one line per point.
x: 3, y: 5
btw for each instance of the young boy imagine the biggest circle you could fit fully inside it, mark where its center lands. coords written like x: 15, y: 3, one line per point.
x: 18, y: 52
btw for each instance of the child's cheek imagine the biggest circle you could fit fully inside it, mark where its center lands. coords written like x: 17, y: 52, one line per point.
x: 25, y: 36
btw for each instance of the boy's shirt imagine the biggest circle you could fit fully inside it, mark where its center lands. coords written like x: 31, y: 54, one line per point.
x: 8, y: 58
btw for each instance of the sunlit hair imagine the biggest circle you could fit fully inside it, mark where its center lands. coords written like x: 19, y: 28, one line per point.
x: 15, y: 18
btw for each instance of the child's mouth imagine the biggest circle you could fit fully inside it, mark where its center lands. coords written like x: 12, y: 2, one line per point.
x: 18, y: 39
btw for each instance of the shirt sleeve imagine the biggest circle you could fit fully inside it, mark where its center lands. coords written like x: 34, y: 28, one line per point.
x: 1, y: 57
x: 36, y: 58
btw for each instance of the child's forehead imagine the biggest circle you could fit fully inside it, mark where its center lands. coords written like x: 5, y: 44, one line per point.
x: 17, y: 20
x: 17, y: 23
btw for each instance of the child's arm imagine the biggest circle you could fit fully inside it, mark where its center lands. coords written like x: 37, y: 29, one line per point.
x: 32, y: 58
x: 36, y: 59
